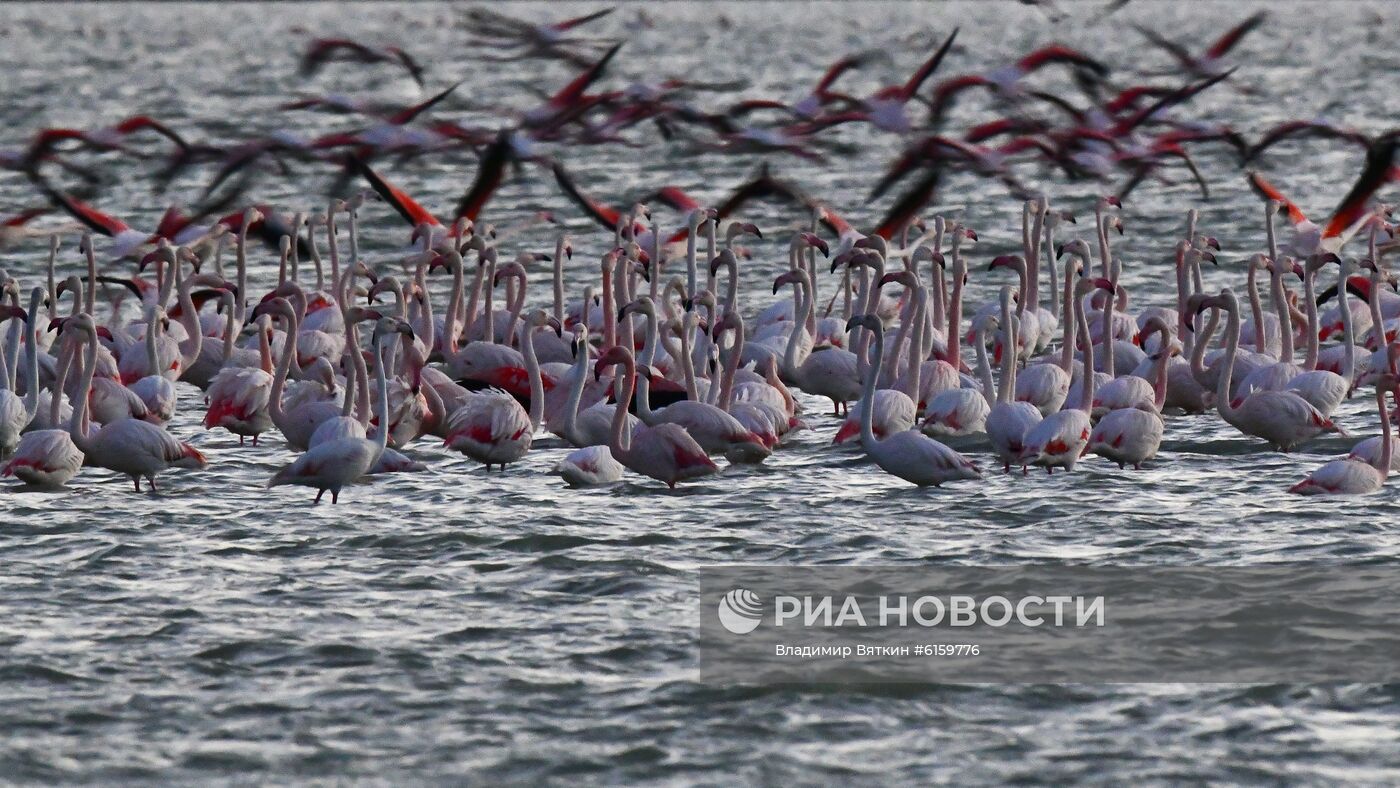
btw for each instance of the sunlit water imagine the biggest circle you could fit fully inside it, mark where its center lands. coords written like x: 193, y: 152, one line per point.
x: 460, y: 622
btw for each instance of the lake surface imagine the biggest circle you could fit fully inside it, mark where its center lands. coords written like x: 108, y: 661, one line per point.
x: 457, y: 622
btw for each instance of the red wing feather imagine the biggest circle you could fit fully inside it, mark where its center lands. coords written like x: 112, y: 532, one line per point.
x: 407, y: 207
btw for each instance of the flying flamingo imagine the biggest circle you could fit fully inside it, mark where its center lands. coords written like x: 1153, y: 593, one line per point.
x: 665, y: 452
x: 129, y: 446
x: 333, y: 464
x: 908, y: 454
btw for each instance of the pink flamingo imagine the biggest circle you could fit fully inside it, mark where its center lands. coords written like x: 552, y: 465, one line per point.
x: 239, y: 396
x: 491, y: 427
x: 1060, y: 439
x: 1009, y: 421
x: 1351, y: 475
x: 129, y: 446
x: 46, y: 457
x: 335, y: 463
x: 1283, y: 418
x: 1133, y: 434
x: 908, y: 454
x: 665, y: 452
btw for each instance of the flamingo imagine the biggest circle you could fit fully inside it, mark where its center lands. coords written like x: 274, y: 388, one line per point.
x: 828, y: 372
x: 335, y: 463
x: 128, y: 446
x: 1352, y: 475
x: 491, y: 427
x: 1133, y: 434
x: 1128, y: 391
x: 15, y: 412
x: 716, y: 431
x: 155, y: 390
x: 296, y: 419
x: 1322, y: 388
x: 963, y: 411
x: 896, y: 410
x: 665, y: 452
x: 907, y: 454
x: 239, y: 396
x: 1282, y: 418
x: 46, y: 457
x: 591, y: 464
x: 1009, y: 421
x: 1046, y: 385
x: 1061, y: 438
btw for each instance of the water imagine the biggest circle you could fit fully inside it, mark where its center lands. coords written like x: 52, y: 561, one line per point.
x: 460, y: 622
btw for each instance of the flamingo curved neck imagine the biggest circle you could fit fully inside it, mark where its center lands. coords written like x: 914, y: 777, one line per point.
x: 1285, y: 317
x: 78, y: 423
x: 619, y: 442
x: 1088, y: 382
x: 1008, y: 356
x: 570, y: 427
x: 799, y: 325
x: 284, y: 365
x: 867, y: 399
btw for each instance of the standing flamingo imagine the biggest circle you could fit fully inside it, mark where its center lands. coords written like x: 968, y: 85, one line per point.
x: 129, y: 446
x: 908, y: 454
x: 588, y: 465
x: 1283, y: 418
x: 1133, y: 434
x: 1009, y: 420
x: 46, y: 457
x: 333, y: 464
x: 1060, y: 439
x: 491, y: 427
x: 665, y: 452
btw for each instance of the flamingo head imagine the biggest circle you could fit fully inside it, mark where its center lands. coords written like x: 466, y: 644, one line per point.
x: 611, y: 357
x: 792, y: 277
x: 926, y: 254
x: 868, y: 322
x: 724, y: 258
x: 813, y: 241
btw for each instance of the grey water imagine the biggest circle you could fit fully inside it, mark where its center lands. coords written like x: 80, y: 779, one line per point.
x: 459, y: 623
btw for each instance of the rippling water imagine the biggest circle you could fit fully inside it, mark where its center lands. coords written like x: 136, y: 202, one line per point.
x: 460, y: 622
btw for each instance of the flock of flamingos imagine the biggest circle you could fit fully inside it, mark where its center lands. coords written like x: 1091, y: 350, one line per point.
x: 657, y: 367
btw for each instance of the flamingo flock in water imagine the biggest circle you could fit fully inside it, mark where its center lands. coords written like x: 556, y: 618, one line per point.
x: 353, y: 356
